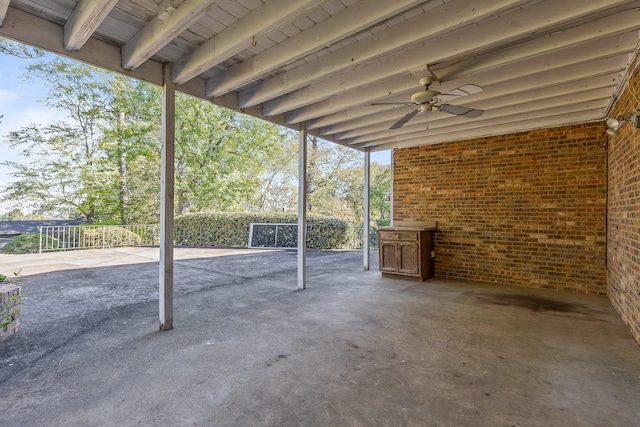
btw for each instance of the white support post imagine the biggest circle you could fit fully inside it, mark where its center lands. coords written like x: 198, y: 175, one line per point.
x: 391, y: 192
x: 366, y: 214
x: 302, y: 208
x: 167, y: 201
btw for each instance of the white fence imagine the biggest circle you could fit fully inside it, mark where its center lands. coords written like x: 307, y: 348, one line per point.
x: 62, y: 238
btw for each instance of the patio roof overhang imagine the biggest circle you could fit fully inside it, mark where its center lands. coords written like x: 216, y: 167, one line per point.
x: 330, y: 68
x: 540, y: 63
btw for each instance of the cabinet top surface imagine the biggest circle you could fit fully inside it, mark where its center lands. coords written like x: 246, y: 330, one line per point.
x: 404, y: 225
x: 407, y: 228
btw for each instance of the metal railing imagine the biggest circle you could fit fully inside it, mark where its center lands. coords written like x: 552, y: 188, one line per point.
x: 63, y: 238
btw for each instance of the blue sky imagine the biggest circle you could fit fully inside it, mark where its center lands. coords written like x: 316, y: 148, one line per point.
x: 20, y: 104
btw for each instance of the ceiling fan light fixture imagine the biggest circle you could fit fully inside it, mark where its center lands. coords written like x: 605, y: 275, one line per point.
x: 424, y: 96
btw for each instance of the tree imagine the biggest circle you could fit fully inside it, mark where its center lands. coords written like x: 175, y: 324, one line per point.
x: 380, y: 194
x: 330, y: 169
x: 220, y: 156
x: 103, y: 162
x: 9, y: 47
x: 13, y: 215
x: 65, y: 169
x: 131, y: 137
x: 278, y: 190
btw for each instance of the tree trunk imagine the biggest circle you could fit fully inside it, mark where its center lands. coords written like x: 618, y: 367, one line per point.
x: 184, y: 204
x: 90, y: 215
x: 124, y: 187
x: 123, y: 193
x: 311, y: 171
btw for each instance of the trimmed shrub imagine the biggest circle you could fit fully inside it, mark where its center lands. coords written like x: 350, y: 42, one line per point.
x: 109, y: 236
x: 27, y: 243
x: 228, y: 229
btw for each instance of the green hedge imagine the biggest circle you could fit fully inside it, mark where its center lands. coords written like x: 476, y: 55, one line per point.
x: 27, y: 243
x: 225, y: 229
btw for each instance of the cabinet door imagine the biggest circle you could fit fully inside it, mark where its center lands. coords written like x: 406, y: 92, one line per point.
x: 388, y: 256
x: 409, y: 262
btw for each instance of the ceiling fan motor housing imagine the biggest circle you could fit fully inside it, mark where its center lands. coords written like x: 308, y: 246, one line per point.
x: 424, y: 96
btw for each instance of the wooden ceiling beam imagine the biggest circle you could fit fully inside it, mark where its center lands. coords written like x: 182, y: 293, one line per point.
x: 584, y: 34
x: 239, y: 36
x: 586, y: 100
x: 162, y: 30
x: 424, y: 138
x: 535, y: 19
x: 493, y: 95
x: 583, y: 90
x: 595, y: 108
x: 506, y: 77
x: 433, y: 23
x: 352, y: 20
x: 4, y: 7
x: 84, y: 21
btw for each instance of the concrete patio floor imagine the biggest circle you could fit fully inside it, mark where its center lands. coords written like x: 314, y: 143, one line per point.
x: 354, y: 349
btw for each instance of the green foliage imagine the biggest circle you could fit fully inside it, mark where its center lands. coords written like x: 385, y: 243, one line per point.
x: 130, y: 140
x: 66, y: 167
x: 28, y: 243
x: 102, y: 163
x: 380, y: 195
x: 9, y: 312
x: 232, y: 229
x: 97, y: 237
x: 17, y: 215
x: 9, y: 279
x: 13, y: 215
x: 220, y: 156
x: 10, y: 47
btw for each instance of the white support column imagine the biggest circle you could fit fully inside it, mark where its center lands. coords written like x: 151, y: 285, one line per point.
x: 302, y: 208
x: 167, y: 201
x: 391, y: 192
x: 366, y: 214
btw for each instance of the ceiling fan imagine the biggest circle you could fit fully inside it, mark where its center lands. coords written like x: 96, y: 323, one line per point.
x: 429, y: 100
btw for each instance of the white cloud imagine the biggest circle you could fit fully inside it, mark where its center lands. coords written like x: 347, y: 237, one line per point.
x: 14, y: 120
x: 7, y: 97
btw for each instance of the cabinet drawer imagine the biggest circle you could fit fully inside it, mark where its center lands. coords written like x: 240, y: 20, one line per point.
x: 398, y: 235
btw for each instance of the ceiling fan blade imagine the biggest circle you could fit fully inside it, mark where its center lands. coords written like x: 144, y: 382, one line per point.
x: 458, y: 110
x: 405, y: 119
x: 459, y: 92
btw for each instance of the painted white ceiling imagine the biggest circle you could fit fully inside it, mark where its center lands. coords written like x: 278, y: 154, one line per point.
x: 540, y: 63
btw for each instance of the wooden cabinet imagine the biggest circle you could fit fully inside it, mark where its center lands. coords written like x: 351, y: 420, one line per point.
x: 406, y: 251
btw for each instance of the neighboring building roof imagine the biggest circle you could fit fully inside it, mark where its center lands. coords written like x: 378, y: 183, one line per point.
x: 15, y: 228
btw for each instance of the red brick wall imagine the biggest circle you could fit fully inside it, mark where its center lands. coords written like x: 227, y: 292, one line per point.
x: 524, y: 209
x: 623, y: 247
